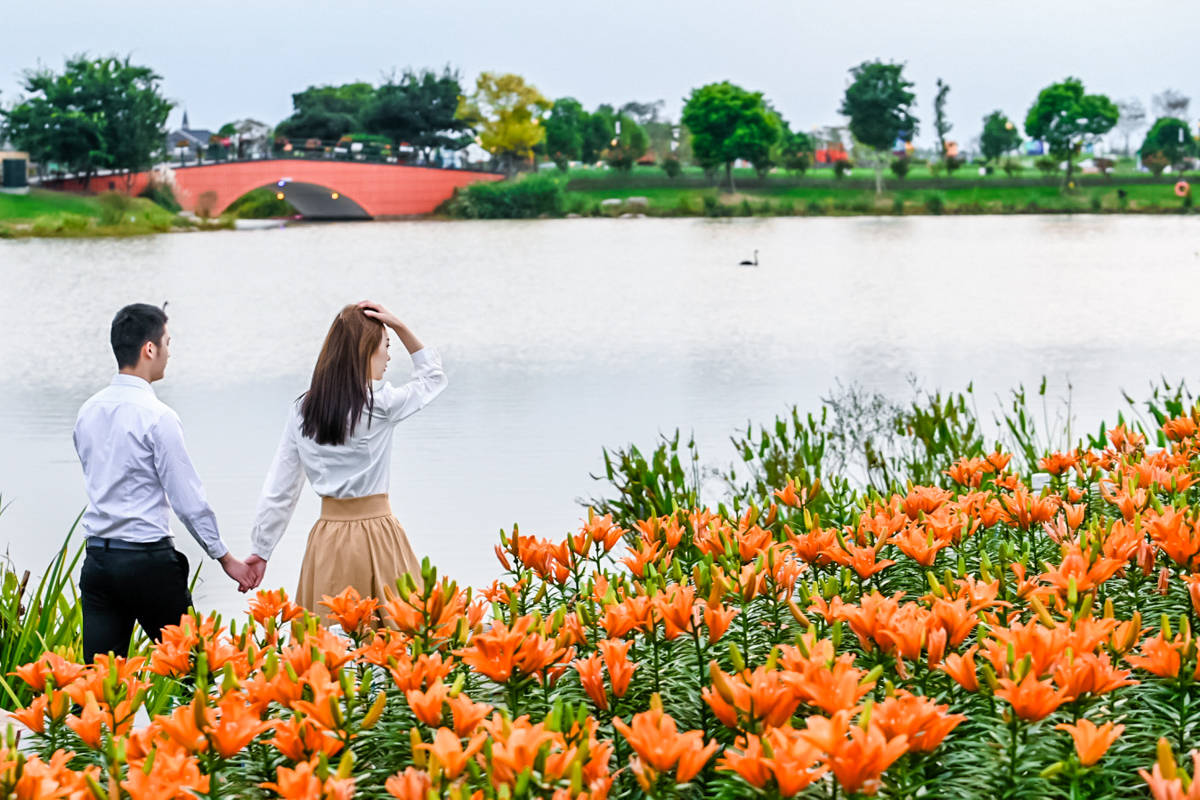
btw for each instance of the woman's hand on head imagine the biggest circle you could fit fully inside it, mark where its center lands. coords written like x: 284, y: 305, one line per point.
x: 377, y: 311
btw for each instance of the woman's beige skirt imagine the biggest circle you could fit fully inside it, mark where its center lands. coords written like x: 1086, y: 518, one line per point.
x: 356, y: 542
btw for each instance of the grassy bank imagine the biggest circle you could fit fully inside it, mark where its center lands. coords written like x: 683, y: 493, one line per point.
x: 828, y: 197
x: 42, y: 213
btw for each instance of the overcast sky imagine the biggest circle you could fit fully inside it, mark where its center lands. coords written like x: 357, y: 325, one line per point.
x: 224, y: 60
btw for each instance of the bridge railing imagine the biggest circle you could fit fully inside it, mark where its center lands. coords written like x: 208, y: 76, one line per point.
x: 371, y: 152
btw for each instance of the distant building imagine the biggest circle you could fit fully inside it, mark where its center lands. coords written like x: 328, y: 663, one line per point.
x: 188, y: 143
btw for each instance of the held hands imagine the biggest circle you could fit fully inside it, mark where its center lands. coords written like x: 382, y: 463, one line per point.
x: 247, y: 577
x: 257, y: 566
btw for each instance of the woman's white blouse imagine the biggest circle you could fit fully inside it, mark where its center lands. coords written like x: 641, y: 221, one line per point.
x: 357, y: 468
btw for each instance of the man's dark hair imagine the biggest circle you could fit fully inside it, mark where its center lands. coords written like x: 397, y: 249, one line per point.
x: 132, y: 327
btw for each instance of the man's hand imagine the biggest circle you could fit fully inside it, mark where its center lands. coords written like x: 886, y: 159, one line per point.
x: 237, y: 569
x: 257, y: 566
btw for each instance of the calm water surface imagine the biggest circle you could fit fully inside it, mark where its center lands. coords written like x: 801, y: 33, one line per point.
x: 561, y: 337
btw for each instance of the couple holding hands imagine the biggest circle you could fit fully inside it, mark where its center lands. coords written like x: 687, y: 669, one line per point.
x: 338, y: 435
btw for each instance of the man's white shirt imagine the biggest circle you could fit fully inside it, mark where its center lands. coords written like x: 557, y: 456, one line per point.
x: 137, y: 469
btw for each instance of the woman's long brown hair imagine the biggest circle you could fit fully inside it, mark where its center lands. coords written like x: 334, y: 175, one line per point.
x: 341, y: 380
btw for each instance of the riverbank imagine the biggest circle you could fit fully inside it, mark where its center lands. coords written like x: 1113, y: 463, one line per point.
x: 602, y: 194
x: 42, y: 213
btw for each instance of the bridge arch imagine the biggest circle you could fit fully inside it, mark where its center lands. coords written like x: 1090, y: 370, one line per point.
x: 313, y: 201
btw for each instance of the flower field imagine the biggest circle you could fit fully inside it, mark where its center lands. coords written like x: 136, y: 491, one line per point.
x: 964, y: 636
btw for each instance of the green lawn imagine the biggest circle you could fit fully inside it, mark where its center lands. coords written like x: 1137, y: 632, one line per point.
x: 39, y: 203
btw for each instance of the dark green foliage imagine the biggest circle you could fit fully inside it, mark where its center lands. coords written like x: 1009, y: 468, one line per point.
x: 525, y: 198
x: 900, y: 167
x: 999, y: 136
x: 935, y: 204
x: 260, y: 204
x: 940, y: 124
x: 627, y: 146
x: 161, y: 195
x: 565, y: 127
x: 327, y: 112
x: 1172, y: 138
x: 421, y: 109
x: 103, y: 113
x: 727, y: 123
x: 671, y: 166
x: 1065, y: 118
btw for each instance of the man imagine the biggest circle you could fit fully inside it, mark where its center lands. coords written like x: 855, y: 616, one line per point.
x: 137, y: 470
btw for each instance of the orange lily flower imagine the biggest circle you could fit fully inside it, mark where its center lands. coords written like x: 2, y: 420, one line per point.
x: 653, y: 736
x: 861, y: 760
x: 751, y: 699
x: 921, y: 720
x: 302, y: 783
x: 1031, y: 699
x: 448, y: 749
x: 1091, y: 742
x: 923, y: 499
x: 591, y: 677
x: 427, y: 705
x: 467, y: 714
x: 236, y: 726
x: 620, y: 669
x: 1159, y: 656
x: 268, y: 604
x: 678, y: 609
x: 412, y: 784
x: 49, y: 665
x: 717, y: 619
x: 188, y: 725
x: 33, y: 716
x: 90, y: 724
x: 504, y: 652
x: 300, y: 740
x: 351, y: 610
x: 174, y: 774
x: 748, y: 759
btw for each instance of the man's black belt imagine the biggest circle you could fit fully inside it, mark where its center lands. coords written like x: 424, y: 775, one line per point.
x: 98, y: 543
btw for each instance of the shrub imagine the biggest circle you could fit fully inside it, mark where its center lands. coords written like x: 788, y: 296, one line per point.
x: 935, y: 204
x: 1105, y: 165
x: 744, y: 209
x: 842, y: 168
x: 900, y: 167
x: 897, y: 205
x: 261, y: 203
x: 684, y: 206
x: 1047, y: 165
x: 671, y: 166
x: 1012, y: 167
x: 162, y: 195
x: 797, y: 163
x: 1156, y: 163
x: 814, y: 207
x: 1097, y: 203
x: 115, y: 208
x: 953, y: 163
x: 524, y: 198
x: 206, y: 204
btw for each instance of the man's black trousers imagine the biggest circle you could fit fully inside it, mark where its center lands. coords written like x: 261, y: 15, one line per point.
x: 148, y: 585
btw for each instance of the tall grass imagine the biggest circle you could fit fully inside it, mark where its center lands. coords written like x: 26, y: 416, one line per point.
x: 48, y: 617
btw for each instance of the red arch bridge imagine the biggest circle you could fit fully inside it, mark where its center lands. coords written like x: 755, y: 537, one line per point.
x: 318, y: 189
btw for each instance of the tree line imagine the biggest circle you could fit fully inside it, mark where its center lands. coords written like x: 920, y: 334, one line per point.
x: 108, y: 113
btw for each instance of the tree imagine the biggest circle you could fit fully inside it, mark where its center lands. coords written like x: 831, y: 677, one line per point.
x: 420, y: 109
x: 1170, y: 103
x: 507, y: 113
x: 727, y: 123
x: 598, y: 132
x: 628, y: 145
x: 99, y: 113
x: 327, y: 112
x: 1171, y: 138
x: 999, y: 136
x: 1132, y: 118
x: 879, y: 105
x: 940, y: 123
x: 1065, y: 118
x: 564, y: 131
x: 644, y: 113
x: 798, y: 148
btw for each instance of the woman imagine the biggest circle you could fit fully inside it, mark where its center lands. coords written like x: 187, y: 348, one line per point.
x: 339, y: 435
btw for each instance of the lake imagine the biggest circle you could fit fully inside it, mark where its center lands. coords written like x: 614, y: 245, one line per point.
x: 561, y: 337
